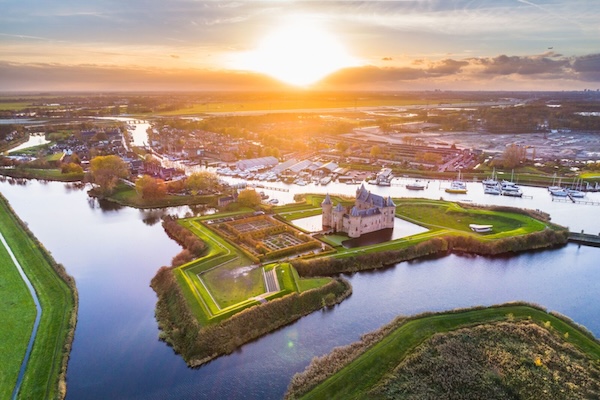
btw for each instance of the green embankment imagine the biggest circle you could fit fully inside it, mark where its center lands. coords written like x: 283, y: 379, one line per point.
x: 448, y: 230
x: 17, y: 313
x: 127, y: 196
x: 362, y: 373
x: 43, y: 174
x: 211, y: 306
x: 46, y: 370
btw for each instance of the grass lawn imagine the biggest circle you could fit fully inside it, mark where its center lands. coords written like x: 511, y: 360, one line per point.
x: 225, y: 281
x: 17, y: 313
x: 58, y: 302
x: 355, y: 379
x: 443, y: 218
x: 47, y: 174
x: 126, y: 195
x: 435, y: 215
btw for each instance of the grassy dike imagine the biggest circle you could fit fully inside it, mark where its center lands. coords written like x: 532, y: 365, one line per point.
x: 543, y: 356
x: 42, y: 174
x: 45, y: 376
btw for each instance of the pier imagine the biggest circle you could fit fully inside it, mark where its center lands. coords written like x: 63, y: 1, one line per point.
x: 584, y: 238
x: 570, y: 199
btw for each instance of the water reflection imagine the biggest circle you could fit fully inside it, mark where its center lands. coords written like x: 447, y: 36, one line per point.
x: 74, y: 186
x: 108, y: 206
x: 153, y: 216
x: 117, y: 354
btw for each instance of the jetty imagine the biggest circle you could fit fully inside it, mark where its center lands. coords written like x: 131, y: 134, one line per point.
x: 584, y: 238
x: 571, y: 199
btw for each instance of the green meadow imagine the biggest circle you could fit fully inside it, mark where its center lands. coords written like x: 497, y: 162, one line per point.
x: 45, y: 373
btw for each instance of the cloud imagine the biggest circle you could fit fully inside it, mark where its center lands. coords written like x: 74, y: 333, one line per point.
x: 528, y: 65
x: 387, y: 59
x: 371, y: 74
x: 471, y: 71
x: 36, y: 77
x: 587, y: 67
x: 446, y: 67
x: 547, y: 71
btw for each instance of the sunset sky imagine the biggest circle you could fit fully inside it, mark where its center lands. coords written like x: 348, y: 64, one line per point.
x: 370, y: 45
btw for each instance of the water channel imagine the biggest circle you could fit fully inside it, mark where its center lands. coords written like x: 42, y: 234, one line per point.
x: 114, y: 252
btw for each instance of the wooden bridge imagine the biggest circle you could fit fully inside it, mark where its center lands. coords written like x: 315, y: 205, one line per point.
x: 584, y: 238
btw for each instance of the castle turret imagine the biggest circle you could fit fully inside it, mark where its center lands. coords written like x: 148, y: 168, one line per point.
x: 327, y: 205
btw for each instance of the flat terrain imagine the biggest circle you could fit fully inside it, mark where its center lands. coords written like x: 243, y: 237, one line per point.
x: 47, y: 361
x: 17, y: 313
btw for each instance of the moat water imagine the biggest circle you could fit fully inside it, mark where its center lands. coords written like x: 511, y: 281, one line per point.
x: 114, y: 252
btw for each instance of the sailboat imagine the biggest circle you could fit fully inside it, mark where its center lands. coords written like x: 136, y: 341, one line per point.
x: 491, y: 181
x: 457, y: 186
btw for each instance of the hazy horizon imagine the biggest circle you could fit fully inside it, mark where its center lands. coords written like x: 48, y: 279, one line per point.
x: 103, y: 45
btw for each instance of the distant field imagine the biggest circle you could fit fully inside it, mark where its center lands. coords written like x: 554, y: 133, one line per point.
x: 14, y: 106
x: 295, y: 104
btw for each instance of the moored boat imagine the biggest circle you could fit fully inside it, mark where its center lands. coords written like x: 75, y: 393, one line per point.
x: 416, y: 185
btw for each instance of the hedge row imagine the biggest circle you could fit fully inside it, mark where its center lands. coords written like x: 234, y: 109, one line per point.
x: 193, y: 246
x: 463, y: 243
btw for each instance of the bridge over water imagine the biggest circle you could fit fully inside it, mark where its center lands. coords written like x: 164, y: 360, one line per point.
x: 585, y: 238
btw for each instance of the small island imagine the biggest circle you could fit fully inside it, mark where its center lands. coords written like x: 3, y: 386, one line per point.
x: 245, y: 273
x: 512, y: 350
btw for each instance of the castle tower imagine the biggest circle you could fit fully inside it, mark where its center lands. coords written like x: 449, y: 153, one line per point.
x: 338, y: 218
x: 327, y: 206
x: 391, y: 212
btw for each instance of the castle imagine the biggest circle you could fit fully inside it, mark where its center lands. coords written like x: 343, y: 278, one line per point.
x: 370, y: 213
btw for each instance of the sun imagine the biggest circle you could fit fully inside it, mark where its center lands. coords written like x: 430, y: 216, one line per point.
x: 298, y: 52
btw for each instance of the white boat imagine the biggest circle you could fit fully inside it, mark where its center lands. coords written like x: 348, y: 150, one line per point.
x: 491, y: 190
x: 480, y: 228
x: 416, y: 185
x: 457, y: 187
x: 491, y: 181
x: 575, y: 193
x: 559, y: 192
x: 512, y: 193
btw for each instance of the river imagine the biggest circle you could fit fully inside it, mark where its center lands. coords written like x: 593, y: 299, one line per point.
x: 113, y: 253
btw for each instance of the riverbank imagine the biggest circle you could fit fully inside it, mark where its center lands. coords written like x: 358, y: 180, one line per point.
x: 126, y: 195
x: 200, y: 329
x: 41, y: 174
x: 512, y: 340
x: 45, y: 375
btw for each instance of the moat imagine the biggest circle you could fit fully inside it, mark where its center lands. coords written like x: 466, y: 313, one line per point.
x: 113, y: 254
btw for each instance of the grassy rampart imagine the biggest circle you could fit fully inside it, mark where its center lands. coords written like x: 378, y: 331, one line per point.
x: 199, y: 343
x: 46, y: 370
x: 352, y: 371
x: 514, y: 230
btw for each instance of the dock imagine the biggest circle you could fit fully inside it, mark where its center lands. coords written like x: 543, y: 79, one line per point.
x: 584, y: 238
x: 570, y: 199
